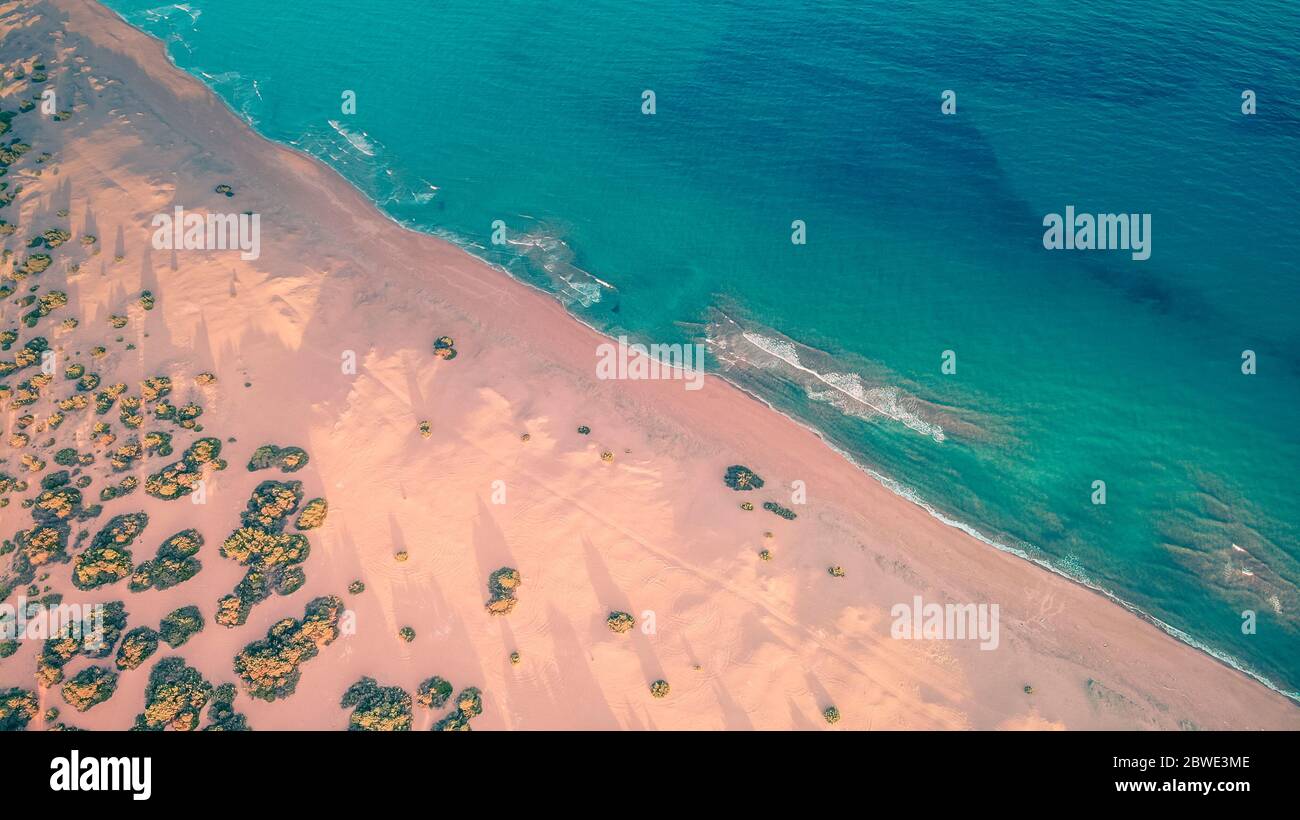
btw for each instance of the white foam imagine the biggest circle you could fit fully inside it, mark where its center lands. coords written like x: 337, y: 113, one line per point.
x: 848, y: 393
x: 361, y: 141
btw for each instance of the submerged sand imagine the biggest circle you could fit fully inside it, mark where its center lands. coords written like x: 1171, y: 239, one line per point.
x: 745, y: 643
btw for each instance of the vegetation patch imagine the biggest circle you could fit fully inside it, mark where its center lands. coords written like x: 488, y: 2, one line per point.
x: 433, y: 692
x: 271, y: 668
x: 741, y: 478
x: 92, y: 685
x: 785, y: 512
x: 91, y: 638
x: 377, y: 708
x: 138, y: 646
x: 174, y: 697
x: 174, y: 564
x: 181, y: 478
x: 312, y: 515
x: 271, y: 555
x: 620, y: 622
x: 287, y: 459
x: 17, y: 708
x: 444, y: 347
x: 222, y: 716
x: 469, y: 704
x: 179, y: 625
x: 502, y: 585
x: 108, y: 558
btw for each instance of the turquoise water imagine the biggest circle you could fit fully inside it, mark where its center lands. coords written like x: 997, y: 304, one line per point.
x: 924, y: 236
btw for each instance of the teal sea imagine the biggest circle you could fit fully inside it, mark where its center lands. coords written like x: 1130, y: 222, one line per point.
x: 924, y: 235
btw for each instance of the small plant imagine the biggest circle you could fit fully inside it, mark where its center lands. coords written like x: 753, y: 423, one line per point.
x: 502, y: 585
x: 584, y: 430
x: 426, y: 429
x: 444, y: 347
x: 406, y: 633
x: 832, y: 715
x: 606, y: 456
x: 224, y: 189
x: 836, y: 571
x: 785, y: 512
x: 747, y: 506
x: 620, y: 622
x: 765, y: 555
x: 659, y: 689
x: 401, y: 556
x: 526, y: 437
x: 356, y: 587
x: 433, y: 693
x: 1029, y: 690
x: 514, y: 658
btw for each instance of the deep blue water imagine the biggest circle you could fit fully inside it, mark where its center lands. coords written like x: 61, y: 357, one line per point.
x: 924, y: 236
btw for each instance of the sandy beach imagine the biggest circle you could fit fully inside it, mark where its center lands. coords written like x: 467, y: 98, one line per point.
x: 504, y: 479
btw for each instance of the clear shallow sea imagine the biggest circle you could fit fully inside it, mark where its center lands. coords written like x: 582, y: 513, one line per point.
x: 924, y: 235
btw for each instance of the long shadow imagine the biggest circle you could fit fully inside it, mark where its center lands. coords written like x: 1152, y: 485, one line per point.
x: 613, y: 597
x: 583, y: 701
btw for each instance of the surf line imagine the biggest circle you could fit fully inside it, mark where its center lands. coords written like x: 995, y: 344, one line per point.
x: 758, y: 341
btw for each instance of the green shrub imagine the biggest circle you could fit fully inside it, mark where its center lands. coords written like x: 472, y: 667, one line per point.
x: 181, y: 478
x: 174, y: 564
x: 312, y: 515
x: 108, y: 558
x: 502, y: 585
x: 740, y: 477
x: 620, y: 622
x: 433, y: 692
x: 90, y: 686
x: 269, y: 554
x: 179, y: 625
x: 469, y: 704
x: 784, y: 512
x: 138, y: 646
x: 174, y: 697
x: 377, y: 708
x: 287, y: 459
x: 17, y: 708
x: 222, y: 716
x: 271, y: 668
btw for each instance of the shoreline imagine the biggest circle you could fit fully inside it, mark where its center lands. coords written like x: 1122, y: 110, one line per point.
x: 696, y: 421
x: 896, y: 486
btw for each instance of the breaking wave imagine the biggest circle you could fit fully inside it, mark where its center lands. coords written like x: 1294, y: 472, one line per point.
x: 850, y: 393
